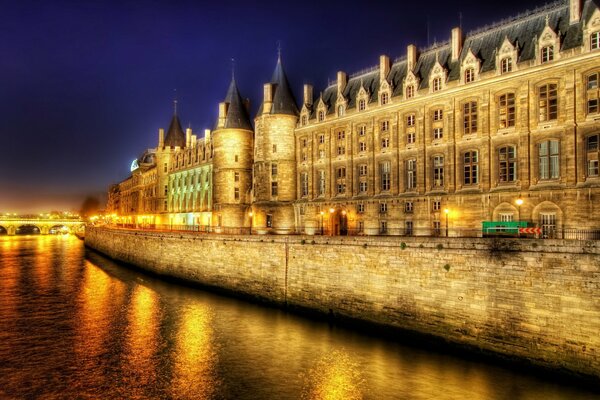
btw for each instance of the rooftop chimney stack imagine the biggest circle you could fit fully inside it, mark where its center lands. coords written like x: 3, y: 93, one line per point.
x: 222, y: 114
x: 188, y: 137
x: 342, y: 80
x: 456, y: 43
x: 384, y: 67
x: 575, y: 11
x: 308, y: 94
x: 268, y: 98
x: 206, y: 135
x: 161, y: 138
x: 411, y: 57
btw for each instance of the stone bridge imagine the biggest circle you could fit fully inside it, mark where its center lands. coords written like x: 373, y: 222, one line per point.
x: 11, y: 226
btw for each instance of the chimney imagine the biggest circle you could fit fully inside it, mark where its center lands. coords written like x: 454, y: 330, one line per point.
x: 411, y: 57
x: 206, y: 135
x: 194, y: 139
x: 342, y: 80
x: 268, y: 98
x: 384, y: 67
x: 574, y: 11
x: 161, y: 138
x: 222, y: 115
x: 456, y: 43
x: 308, y: 94
x: 188, y: 137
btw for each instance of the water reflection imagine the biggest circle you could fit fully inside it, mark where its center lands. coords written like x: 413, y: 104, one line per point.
x: 77, y: 325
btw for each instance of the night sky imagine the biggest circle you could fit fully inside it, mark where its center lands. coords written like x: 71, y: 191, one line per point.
x: 85, y: 86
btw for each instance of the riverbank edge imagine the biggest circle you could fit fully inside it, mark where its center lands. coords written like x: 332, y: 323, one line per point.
x: 424, y: 339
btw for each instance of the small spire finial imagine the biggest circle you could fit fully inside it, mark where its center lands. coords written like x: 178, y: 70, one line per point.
x: 175, y: 102
x: 232, y: 69
x: 547, y: 19
x: 279, y: 50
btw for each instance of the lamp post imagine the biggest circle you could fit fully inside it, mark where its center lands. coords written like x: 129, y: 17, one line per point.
x: 446, y: 211
x: 519, y: 202
x: 331, y: 211
x: 322, y: 212
x: 250, y: 215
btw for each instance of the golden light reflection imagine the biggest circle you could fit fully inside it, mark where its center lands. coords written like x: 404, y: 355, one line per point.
x: 142, y: 340
x: 10, y: 275
x: 196, y: 357
x: 334, y: 377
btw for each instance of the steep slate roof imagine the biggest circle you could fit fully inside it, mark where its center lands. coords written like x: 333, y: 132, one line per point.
x: 237, y: 113
x: 175, y: 135
x: 522, y: 31
x: 284, y: 101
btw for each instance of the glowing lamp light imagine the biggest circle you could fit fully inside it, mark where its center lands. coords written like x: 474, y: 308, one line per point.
x: 332, y: 210
x: 519, y: 201
x: 446, y: 210
x: 343, y: 212
x: 322, y: 212
x: 250, y: 214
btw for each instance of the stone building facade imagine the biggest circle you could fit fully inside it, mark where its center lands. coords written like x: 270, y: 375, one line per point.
x: 501, y: 124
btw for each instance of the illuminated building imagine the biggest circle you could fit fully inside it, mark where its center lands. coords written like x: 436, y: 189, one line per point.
x: 469, y: 126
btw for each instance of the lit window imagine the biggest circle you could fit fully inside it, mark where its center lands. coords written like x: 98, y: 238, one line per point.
x: 592, y: 154
x: 549, y: 163
x: 547, y: 54
x: 548, y: 102
x: 438, y: 171
x: 438, y: 114
x: 362, y: 104
x: 506, y: 110
x: 410, y: 91
x: 507, y: 164
x: 410, y: 120
x: 385, y: 175
x: 470, y: 117
x: 592, y: 93
x: 438, y: 133
x: 411, y: 174
x: 362, y: 130
x: 470, y: 166
x: 595, y: 41
x: 469, y: 75
x: 341, y: 180
x: 437, y: 84
x: 505, y: 65
x: 410, y: 137
x: 384, y: 98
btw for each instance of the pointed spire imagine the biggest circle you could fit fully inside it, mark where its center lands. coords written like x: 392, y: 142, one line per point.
x: 175, y: 102
x: 175, y: 136
x: 284, y: 101
x: 237, y: 113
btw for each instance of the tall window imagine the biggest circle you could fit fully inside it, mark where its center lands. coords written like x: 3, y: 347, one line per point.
x: 506, y: 110
x: 548, y: 102
x: 469, y: 75
x: 273, y: 169
x: 362, y: 104
x: 385, y: 126
x: 304, y: 120
x: 321, y: 185
x: 410, y: 120
x: 438, y: 171
x: 385, y: 142
x: 362, y: 186
x: 505, y: 65
x: 591, y: 145
x: 362, y: 130
x: 595, y: 41
x: 547, y: 54
x: 236, y: 193
x: 341, y: 143
x: 304, y: 184
x: 236, y: 177
x: 321, y: 116
x: 437, y: 84
x: 385, y: 175
x: 362, y: 170
x: 470, y: 167
x: 410, y: 129
x: 410, y: 91
x: 438, y: 133
x: 384, y: 98
x: 470, y: 117
x: 549, y: 159
x: 362, y: 146
x: 341, y: 180
x: 321, y: 139
x: 362, y: 177
x: 340, y: 111
x: 274, y: 190
x: 507, y: 164
x: 592, y: 93
x: 411, y: 174
x: 438, y: 114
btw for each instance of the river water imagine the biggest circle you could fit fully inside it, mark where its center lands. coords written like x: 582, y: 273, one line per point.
x: 74, y: 324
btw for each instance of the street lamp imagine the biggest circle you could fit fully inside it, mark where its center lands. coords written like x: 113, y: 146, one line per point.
x: 322, y: 212
x: 250, y: 215
x: 446, y: 211
x: 331, y: 211
x: 519, y: 202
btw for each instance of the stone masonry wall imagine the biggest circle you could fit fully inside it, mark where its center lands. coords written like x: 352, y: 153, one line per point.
x: 532, y: 299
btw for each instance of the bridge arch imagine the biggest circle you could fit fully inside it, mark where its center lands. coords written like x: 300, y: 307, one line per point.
x: 28, y: 229
x: 59, y: 229
x: 3, y: 230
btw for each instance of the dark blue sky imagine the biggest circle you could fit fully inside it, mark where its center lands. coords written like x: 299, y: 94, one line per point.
x: 84, y: 86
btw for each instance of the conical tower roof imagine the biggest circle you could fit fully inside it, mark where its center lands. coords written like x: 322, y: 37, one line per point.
x: 175, y: 135
x: 237, y: 114
x: 284, y: 101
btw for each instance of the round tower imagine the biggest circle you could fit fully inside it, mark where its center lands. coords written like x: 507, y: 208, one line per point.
x: 232, y: 164
x: 275, y: 157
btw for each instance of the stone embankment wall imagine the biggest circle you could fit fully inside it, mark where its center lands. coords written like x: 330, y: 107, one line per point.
x: 533, y: 299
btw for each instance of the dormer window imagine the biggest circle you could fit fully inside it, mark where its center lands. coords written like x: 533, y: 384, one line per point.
x: 362, y: 104
x: 437, y: 84
x: 469, y: 75
x: 340, y: 111
x: 321, y: 116
x: 505, y: 65
x: 384, y: 99
x: 410, y: 92
x: 303, y: 120
x: 547, y: 54
x: 595, y: 41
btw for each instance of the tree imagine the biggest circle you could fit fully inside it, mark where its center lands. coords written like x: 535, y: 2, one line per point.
x: 90, y: 206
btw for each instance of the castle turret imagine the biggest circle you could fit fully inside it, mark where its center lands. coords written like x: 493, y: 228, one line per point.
x: 232, y: 162
x: 275, y: 156
x: 175, y: 136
